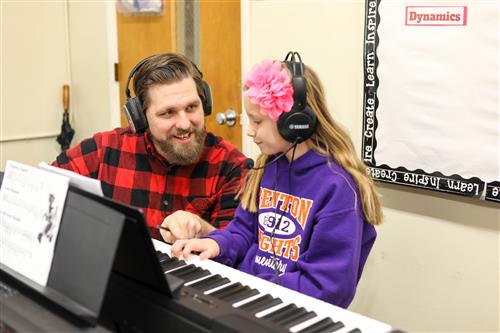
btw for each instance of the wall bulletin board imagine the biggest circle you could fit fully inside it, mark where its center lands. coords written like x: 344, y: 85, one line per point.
x: 431, y: 115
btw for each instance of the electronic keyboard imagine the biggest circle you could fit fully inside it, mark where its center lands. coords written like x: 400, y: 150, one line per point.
x: 261, y: 301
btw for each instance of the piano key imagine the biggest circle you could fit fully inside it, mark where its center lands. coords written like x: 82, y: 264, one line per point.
x: 298, y: 318
x: 326, y: 325
x: 271, y: 309
x: 195, y: 276
x: 171, y: 264
x: 247, y: 300
x: 192, y: 274
x: 188, y: 283
x: 240, y: 294
x: 223, y: 286
x: 295, y: 314
x: 162, y: 256
x: 210, y: 283
x: 281, y: 313
x: 305, y: 324
x: 290, y: 316
x: 287, y: 296
x: 260, y: 304
x: 184, y: 270
x: 226, y: 290
x: 236, y: 294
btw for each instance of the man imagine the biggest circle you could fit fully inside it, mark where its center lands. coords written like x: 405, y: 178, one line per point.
x: 165, y: 163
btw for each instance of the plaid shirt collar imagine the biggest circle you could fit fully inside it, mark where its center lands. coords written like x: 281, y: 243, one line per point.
x: 151, y: 149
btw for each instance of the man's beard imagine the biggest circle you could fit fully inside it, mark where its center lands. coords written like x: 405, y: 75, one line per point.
x: 181, y: 154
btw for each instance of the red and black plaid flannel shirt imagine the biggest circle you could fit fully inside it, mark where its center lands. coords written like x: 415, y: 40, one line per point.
x: 131, y: 171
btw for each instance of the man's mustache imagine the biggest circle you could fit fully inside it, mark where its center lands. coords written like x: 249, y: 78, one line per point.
x: 183, y: 132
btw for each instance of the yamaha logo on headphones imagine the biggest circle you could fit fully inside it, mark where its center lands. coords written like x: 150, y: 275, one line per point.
x: 299, y: 126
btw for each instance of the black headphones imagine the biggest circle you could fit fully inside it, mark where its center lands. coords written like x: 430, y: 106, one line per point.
x: 300, y: 122
x: 133, y: 106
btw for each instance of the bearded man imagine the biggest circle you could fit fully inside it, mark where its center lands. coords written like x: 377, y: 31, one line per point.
x: 182, y: 177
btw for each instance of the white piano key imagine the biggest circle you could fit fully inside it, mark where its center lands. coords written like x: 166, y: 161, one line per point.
x: 246, y: 300
x: 173, y: 269
x: 198, y: 280
x: 350, y: 319
x: 305, y: 324
x: 208, y: 292
x: 270, y: 310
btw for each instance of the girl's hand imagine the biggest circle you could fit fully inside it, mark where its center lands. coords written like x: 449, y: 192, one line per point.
x: 208, y: 248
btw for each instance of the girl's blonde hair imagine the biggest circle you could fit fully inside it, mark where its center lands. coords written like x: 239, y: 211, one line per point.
x: 331, y: 140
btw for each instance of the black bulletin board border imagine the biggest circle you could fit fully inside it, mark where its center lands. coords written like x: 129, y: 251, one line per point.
x: 436, y: 181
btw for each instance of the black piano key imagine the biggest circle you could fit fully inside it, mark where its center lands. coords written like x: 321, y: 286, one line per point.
x: 189, y: 271
x: 210, y: 283
x: 284, y: 317
x: 335, y: 327
x: 298, y: 318
x: 234, y: 289
x: 183, y: 271
x: 323, y: 326
x: 356, y: 330
x: 195, y: 275
x: 163, y: 257
x: 171, y: 264
x: 281, y: 313
x: 260, y: 304
x: 239, y: 295
x: 289, y: 314
x: 244, y: 295
x: 228, y: 289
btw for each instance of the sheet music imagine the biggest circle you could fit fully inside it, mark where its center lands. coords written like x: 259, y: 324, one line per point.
x: 85, y: 183
x: 31, y: 206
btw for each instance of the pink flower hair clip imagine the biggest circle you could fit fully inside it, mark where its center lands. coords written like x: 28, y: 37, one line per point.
x: 269, y: 86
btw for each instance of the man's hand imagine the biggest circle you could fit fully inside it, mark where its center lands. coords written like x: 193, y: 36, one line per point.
x: 184, y: 225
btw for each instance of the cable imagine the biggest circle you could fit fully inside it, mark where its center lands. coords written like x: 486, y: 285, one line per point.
x: 249, y: 164
x: 278, y: 221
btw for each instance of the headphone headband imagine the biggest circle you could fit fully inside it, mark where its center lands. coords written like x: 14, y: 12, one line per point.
x: 294, y: 63
x: 140, y: 64
x: 300, y: 122
x: 131, y: 75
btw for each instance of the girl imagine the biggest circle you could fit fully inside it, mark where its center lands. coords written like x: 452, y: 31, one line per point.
x: 307, y: 213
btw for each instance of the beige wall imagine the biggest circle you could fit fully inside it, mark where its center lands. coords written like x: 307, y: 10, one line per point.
x: 31, y: 90
x: 45, y: 45
x: 94, y: 50
x: 435, y: 265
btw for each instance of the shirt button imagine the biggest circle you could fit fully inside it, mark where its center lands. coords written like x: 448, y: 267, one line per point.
x: 165, y: 203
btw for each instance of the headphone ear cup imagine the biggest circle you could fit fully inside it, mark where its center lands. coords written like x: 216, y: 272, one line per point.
x: 297, y: 125
x: 313, y: 120
x: 207, y: 103
x: 135, y: 116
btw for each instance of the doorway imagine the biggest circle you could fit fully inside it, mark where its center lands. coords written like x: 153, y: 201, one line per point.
x: 209, y: 33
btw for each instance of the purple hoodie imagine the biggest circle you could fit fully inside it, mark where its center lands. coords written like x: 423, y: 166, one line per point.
x: 321, y: 240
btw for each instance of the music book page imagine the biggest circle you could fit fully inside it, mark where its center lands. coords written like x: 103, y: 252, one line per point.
x: 31, y: 206
x: 85, y: 183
